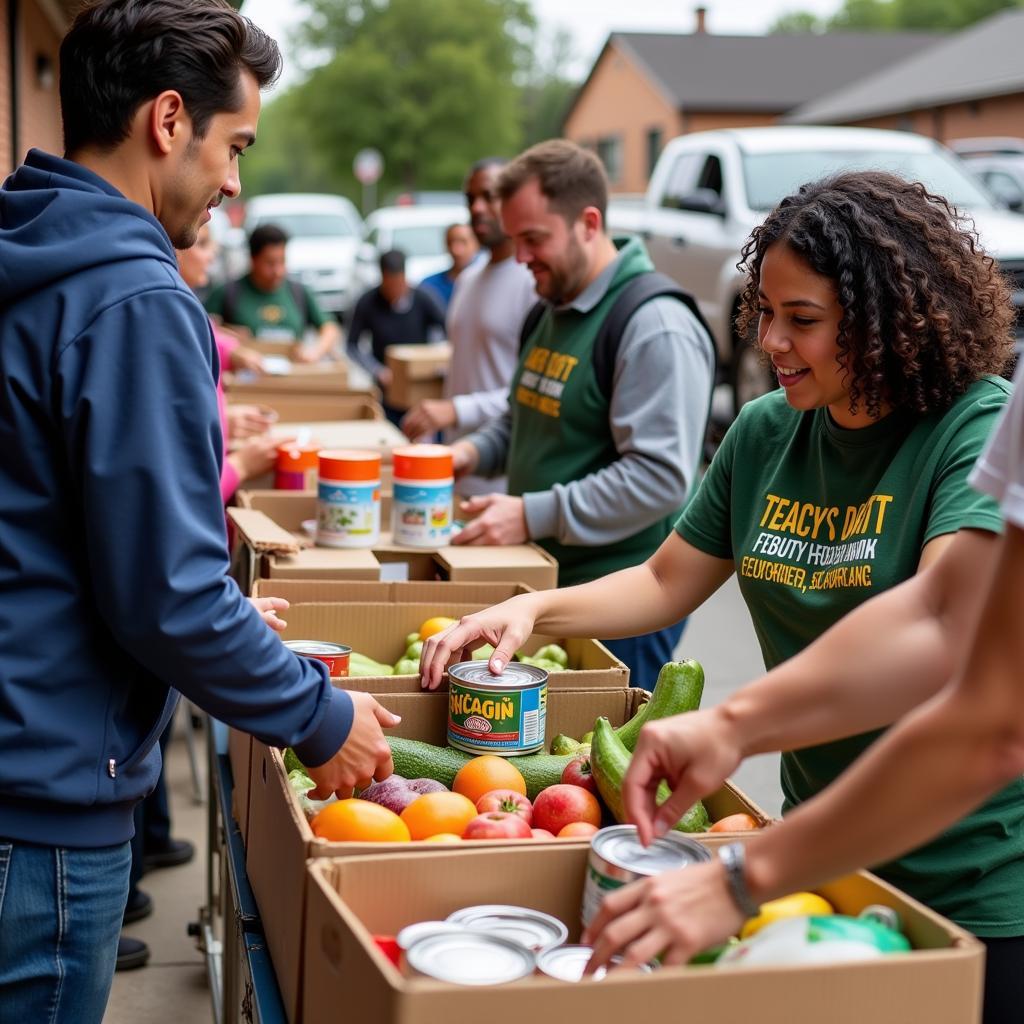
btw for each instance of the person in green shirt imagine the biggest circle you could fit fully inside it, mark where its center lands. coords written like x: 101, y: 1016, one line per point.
x: 885, y: 324
x: 266, y: 304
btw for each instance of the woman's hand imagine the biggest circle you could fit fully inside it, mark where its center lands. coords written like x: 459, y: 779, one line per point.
x: 268, y: 607
x: 247, y: 359
x: 506, y: 627
x: 257, y: 455
x: 249, y: 421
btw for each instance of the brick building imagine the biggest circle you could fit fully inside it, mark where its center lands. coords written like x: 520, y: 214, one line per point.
x: 30, y: 35
x: 646, y: 88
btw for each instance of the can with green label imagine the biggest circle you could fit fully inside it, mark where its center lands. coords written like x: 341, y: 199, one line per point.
x: 504, y: 714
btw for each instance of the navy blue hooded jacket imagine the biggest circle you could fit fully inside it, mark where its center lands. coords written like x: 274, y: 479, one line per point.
x: 113, y: 558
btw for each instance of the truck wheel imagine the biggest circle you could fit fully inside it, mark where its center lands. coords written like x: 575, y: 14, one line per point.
x: 748, y: 376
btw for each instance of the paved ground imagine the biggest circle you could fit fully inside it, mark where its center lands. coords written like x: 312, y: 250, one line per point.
x: 172, y: 989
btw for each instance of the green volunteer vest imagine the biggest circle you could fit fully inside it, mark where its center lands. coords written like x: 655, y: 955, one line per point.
x: 817, y: 520
x: 560, y: 428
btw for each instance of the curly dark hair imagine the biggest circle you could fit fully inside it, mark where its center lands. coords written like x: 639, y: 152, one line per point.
x: 925, y: 311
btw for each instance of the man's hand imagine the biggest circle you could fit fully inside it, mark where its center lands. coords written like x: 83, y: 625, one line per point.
x: 257, y: 455
x: 430, y: 416
x: 249, y: 421
x: 678, y: 913
x: 496, y: 519
x: 465, y: 458
x: 243, y: 358
x: 268, y: 607
x: 695, y: 753
x: 301, y: 353
x: 364, y: 756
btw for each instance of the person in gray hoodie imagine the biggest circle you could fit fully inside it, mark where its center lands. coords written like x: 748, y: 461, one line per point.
x: 114, y: 588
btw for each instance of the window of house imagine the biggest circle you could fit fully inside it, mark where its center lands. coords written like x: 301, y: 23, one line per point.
x: 609, y: 149
x: 654, y: 140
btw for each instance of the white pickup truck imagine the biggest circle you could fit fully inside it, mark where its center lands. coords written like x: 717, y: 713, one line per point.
x: 710, y: 189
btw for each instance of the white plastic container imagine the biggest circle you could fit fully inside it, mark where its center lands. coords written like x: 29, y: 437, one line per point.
x: 348, y: 499
x: 424, y: 488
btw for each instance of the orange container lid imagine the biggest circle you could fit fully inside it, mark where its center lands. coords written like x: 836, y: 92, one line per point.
x: 295, y: 458
x: 350, y: 465
x: 422, y: 462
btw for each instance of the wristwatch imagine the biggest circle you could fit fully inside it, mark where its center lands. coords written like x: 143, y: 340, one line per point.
x: 733, y: 858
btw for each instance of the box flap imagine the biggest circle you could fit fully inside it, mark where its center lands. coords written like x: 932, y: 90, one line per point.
x: 473, y: 556
x: 379, y: 435
x: 261, y: 533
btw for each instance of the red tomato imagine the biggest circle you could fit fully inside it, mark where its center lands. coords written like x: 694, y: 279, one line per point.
x: 507, y: 800
x: 577, y: 773
x: 558, y: 806
x: 497, y: 825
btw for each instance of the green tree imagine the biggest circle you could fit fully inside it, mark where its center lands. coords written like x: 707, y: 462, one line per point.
x: 547, y: 93
x: 797, y: 21
x: 432, y: 86
x: 889, y: 15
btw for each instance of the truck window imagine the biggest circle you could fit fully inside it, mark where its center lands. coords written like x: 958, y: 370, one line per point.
x: 682, y: 179
x: 711, y: 176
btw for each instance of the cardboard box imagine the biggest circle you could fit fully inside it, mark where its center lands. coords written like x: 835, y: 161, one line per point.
x: 408, y: 592
x: 280, y: 839
x: 276, y: 552
x: 307, y: 378
x: 418, y: 372
x: 372, y: 434
x: 351, y: 900
x: 291, y: 408
x: 239, y: 755
x: 378, y: 630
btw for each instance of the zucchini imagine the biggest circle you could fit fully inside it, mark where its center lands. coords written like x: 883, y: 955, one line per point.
x: 679, y: 688
x: 609, y: 761
x: 417, y: 760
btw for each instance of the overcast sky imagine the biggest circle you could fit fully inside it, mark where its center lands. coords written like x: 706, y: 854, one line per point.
x: 590, y: 21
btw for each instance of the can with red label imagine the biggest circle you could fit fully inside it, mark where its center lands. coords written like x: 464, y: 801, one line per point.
x: 334, y: 656
x: 295, y: 468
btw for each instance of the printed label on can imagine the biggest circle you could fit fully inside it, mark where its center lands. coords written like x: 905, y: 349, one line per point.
x: 348, y: 515
x: 596, y: 887
x: 294, y: 480
x: 423, y: 514
x: 502, y: 722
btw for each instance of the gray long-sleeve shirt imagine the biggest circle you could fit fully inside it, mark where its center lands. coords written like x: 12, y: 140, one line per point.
x: 661, y: 392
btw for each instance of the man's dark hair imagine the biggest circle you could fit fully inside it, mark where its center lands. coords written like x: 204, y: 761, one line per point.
x: 484, y: 163
x: 121, y: 53
x: 265, y: 236
x: 392, y: 262
x: 570, y: 177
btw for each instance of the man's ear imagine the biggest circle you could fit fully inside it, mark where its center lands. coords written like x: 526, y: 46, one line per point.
x: 169, y: 124
x: 592, y: 221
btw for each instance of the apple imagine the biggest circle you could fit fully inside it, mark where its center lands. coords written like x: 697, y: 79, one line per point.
x: 559, y: 805
x: 507, y: 800
x: 577, y: 830
x: 577, y: 773
x: 497, y: 825
x: 541, y: 833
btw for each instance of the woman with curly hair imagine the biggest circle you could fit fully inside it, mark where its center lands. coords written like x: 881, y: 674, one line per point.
x: 886, y: 326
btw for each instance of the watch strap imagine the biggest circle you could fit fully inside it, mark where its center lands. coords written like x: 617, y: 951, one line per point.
x: 733, y: 858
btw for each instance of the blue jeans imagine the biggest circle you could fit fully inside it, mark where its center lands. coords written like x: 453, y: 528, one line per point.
x: 60, y: 917
x: 646, y: 654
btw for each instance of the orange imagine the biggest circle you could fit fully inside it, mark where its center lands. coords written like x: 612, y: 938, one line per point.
x: 359, y: 821
x: 577, y: 830
x: 487, y: 772
x: 432, y: 813
x: 734, y: 823
x: 443, y: 837
x: 435, y: 625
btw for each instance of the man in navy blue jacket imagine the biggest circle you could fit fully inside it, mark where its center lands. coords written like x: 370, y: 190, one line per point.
x: 113, y: 561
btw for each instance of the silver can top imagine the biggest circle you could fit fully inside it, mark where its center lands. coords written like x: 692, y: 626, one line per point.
x: 412, y: 933
x: 530, y: 928
x: 620, y: 845
x: 515, y: 677
x: 316, y: 647
x: 467, y: 957
x: 568, y: 962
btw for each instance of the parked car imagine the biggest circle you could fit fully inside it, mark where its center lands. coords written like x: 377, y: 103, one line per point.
x: 417, y: 230
x: 999, y: 164
x: 710, y: 189
x: 324, y: 233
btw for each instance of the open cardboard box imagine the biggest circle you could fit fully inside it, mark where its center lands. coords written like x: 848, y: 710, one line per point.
x: 417, y: 372
x: 239, y: 756
x: 408, y: 592
x: 292, y: 408
x: 378, y: 630
x: 349, y: 901
x: 373, y: 435
x: 302, y: 378
x: 280, y: 839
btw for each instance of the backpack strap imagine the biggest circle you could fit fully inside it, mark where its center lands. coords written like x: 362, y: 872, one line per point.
x: 533, y: 316
x: 638, y: 291
x: 301, y: 299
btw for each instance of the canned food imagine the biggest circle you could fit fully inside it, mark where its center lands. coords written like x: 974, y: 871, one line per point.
x: 617, y: 858
x: 530, y: 928
x: 567, y: 963
x: 295, y: 468
x: 469, y: 957
x: 489, y: 714
x: 412, y: 933
x: 334, y: 656
x: 348, y: 499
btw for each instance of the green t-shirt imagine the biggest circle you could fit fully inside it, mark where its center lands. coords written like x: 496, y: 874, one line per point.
x: 268, y: 315
x: 818, y: 519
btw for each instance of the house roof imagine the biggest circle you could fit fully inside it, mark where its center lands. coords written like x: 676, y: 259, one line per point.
x: 708, y: 72
x: 983, y: 60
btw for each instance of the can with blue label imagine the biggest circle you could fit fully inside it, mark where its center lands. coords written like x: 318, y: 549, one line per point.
x: 489, y: 714
x: 348, y: 499
x: 424, y: 487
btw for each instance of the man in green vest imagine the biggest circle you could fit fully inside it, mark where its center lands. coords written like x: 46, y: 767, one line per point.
x: 597, y: 472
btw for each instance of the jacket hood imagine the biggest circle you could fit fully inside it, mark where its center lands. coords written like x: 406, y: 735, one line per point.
x: 57, y: 218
